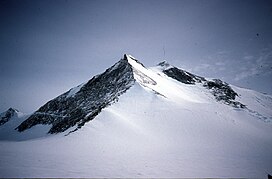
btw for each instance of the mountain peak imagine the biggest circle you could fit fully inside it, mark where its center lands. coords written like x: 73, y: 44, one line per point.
x: 13, y: 110
x: 7, y: 115
x: 84, y: 102
x: 126, y: 56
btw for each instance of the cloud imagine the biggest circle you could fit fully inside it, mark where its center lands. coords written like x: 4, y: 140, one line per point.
x: 246, y: 74
x: 201, y: 67
x: 248, y: 57
x: 220, y: 63
x: 212, y: 64
x: 227, y: 66
x: 261, y: 65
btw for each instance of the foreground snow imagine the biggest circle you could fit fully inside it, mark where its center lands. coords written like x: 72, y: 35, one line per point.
x: 146, y: 135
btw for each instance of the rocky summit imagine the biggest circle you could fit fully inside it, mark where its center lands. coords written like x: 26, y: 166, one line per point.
x: 81, y: 104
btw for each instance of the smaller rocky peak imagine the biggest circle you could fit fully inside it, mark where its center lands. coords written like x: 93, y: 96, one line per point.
x: 181, y: 75
x: 12, y: 111
x: 7, y: 115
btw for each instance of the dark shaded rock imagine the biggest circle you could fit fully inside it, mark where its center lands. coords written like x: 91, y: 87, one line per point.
x: 181, y: 75
x: 222, y: 89
x: 223, y: 92
x: 66, y: 111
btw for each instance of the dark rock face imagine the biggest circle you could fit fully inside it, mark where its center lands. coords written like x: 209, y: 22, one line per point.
x: 67, y: 110
x: 223, y: 92
x: 182, y: 76
x: 6, y: 116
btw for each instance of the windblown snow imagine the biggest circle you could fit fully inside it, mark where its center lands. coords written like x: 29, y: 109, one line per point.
x: 159, y: 127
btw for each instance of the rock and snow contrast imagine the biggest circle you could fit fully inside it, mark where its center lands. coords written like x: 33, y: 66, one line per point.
x: 134, y: 121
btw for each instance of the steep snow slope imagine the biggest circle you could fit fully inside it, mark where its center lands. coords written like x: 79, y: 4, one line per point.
x: 258, y: 104
x: 158, y: 82
x: 160, y: 127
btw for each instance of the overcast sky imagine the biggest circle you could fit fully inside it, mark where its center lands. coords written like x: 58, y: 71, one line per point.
x: 48, y: 47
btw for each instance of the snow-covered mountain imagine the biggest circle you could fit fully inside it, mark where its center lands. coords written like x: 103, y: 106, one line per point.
x: 84, y: 102
x: 134, y: 121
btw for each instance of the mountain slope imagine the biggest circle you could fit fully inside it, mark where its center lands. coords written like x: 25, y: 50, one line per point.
x: 81, y: 104
x: 147, y: 135
x: 161, y: 126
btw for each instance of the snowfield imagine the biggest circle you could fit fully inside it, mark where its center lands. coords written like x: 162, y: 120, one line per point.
x: 161, y: 129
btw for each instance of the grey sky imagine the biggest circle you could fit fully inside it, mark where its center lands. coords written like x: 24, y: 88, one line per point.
x: 47, y: 47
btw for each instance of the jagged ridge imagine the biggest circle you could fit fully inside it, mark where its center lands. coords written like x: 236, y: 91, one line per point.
x: 66, y: 111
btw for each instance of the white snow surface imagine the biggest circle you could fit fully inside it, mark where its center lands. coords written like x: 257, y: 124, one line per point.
x: 155, y: 80
x: 74, y: 90
x: 183, y: 132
